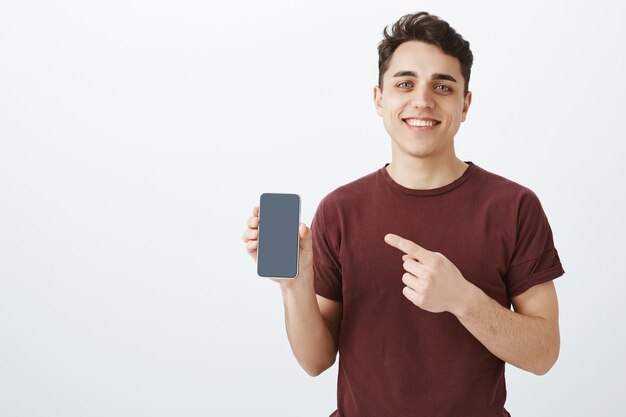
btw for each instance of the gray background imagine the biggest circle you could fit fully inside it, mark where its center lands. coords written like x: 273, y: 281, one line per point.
x: 136, y: 136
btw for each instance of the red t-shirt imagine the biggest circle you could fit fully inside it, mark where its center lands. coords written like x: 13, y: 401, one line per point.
x: 396, y: 359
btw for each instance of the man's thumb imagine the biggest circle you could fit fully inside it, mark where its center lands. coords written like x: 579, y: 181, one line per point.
x: 306, y: 238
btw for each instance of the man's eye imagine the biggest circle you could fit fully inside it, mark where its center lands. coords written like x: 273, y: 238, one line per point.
x: 443, y: 88
x: 403, y: 82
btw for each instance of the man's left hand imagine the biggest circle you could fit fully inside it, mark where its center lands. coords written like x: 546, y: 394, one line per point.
x: 432, y: 281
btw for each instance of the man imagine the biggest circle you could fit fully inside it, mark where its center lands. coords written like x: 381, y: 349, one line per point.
x: 410, y: 272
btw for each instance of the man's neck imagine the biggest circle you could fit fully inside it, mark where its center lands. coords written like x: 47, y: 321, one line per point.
x: 426, y: 174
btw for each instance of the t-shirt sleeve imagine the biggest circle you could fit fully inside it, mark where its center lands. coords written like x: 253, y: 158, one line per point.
x: 535, y: 260
x: 326, y: 261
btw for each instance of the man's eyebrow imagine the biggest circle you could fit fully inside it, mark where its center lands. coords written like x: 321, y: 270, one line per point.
x: 436, y: 76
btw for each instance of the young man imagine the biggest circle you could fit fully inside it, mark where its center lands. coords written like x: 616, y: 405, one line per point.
x: 410, y: 272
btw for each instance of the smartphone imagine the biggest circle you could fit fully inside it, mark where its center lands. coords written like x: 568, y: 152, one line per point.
x: 278, y: 241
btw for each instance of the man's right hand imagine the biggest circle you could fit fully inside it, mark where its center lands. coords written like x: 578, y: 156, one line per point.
x: 305, y: 253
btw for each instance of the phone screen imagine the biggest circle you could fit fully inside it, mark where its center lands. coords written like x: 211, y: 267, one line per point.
x: 278, y: 240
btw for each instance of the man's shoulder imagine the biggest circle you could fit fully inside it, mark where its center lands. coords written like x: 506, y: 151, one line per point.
x: 348, y: 192
x: 500, y: 186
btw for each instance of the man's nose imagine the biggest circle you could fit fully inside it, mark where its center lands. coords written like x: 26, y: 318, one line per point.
x: 422, y: 97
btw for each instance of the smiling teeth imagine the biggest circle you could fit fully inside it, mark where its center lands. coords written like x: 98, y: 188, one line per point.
x: 421, y: 123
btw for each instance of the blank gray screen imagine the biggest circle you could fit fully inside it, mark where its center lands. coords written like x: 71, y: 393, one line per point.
x: 279, y: 219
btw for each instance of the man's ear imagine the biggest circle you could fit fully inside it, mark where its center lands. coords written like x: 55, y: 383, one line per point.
x: 466, y: 104
x: 378, y: 100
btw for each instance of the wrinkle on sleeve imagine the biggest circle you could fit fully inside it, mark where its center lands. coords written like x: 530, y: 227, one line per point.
x: 326, y: 261
x: 535, y: 260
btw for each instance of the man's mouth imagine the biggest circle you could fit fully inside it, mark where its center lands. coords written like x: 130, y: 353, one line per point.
x: 421, y: 123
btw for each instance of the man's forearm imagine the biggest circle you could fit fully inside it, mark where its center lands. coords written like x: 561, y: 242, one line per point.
x: 527, y: 342
x: 311, y: 341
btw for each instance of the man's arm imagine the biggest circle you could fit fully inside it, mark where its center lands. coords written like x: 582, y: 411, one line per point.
x: 312, y: 321
x: 527, y: 338
x: 312, y: 324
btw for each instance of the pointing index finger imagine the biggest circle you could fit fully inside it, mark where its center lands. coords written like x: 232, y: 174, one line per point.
x: 407, y: 246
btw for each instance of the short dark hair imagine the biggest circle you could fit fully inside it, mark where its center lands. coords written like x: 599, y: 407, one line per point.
x: 428, y: 28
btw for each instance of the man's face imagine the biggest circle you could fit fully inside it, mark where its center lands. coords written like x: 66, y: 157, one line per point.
x: 422, y: 111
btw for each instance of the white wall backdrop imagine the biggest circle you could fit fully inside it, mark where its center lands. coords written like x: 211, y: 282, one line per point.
x: 136, y: 136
